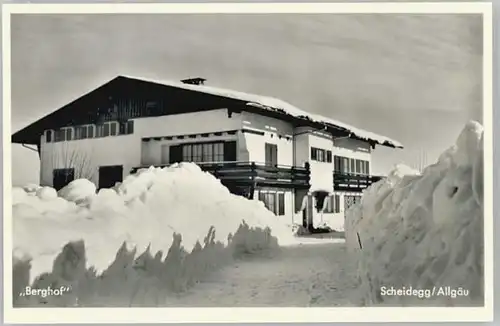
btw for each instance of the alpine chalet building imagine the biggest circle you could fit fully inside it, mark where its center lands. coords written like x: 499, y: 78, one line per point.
x: 305, y: 168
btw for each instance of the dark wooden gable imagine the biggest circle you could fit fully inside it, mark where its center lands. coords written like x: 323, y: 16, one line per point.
x: 121, y: 99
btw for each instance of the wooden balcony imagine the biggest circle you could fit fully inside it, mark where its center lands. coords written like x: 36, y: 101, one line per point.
x: 353, y: 182
x: 243, y: 177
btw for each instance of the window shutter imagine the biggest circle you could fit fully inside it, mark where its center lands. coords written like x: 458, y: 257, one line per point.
x: 274, y: 154
x: 230, y: 151
x: 271, y: 154
x: 175, y: 154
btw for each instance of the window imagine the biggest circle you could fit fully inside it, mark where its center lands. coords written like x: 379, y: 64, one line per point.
x: 106, y: 130
x: 353, y: 165
x: 359, y: 167
x: 332, y: 204
x: 329, y: 204
x: 80, y: 132
x: 69, y: 133
x: 345, y: 165
x: 61, y: 177
x: 269, y: 200
x: 197, y: 153
x: 336, y: 163
x: 59, y: 135
x: 314, y: 155
x: 90, y: 131
x: 367, y: 167
x: 99, y: 130
x: 48, y: 136
x: 320, y: 155
x: 281, y: 204
x: 336, y: 204
x: 186, y: 153
x: 208, y: 153
x: 126, y: 128
x: 113, y: 129
x: 130, y: 127
x: 204, y: 152
x: 271, y: 155
x: 122, y: 128
x: 218, y: 152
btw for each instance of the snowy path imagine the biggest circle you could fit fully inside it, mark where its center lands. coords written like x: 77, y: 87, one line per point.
x: 306, y: 275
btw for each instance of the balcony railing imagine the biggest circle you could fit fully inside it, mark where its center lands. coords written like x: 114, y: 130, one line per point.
x: 251, y: 174
x: 353, y: 182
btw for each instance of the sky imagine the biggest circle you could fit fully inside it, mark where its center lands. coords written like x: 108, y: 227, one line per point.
x: 414, y: 78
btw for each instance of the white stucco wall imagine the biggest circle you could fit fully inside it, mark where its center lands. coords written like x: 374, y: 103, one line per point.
x: 302, y: 151
x: 275, y: 132
x: 187, y: 123
x: 321, y: 172
x: 352, y: 148
x: 116, y: 150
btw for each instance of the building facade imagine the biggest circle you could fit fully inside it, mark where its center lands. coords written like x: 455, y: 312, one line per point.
x: 306, y: 169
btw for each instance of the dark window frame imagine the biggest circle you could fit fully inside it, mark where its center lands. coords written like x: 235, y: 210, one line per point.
x: 59, y: 135
x: 281, y: 204
x: 57, y: 174
x: 329, y: 156
x: 271, y: 154
x: 321, y: 155
x: 271, y: 201
x: 337, y: 203
x: 48, y: 136
x: 217, y: 151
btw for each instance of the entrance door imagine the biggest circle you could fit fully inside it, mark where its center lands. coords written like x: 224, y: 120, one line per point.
x: 110, y: 175
x: 61, y: 177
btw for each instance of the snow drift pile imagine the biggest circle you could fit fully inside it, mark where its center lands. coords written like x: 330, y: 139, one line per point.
x: 423, y: 233
x: 179, y: 209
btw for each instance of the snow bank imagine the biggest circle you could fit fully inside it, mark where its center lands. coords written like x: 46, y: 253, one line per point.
x: 78, y: 191
x: 420, y: 232
x: 178, y: 209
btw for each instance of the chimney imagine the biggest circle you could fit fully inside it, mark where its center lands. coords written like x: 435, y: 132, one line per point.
x: 194, y: 81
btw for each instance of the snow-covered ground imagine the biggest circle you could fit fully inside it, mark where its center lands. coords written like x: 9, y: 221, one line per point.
x: 314, y: 275
x: 422, y: 232
x: 178, y: 210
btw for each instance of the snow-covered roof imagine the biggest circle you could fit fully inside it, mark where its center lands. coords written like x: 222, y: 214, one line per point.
x: 277, y: 105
